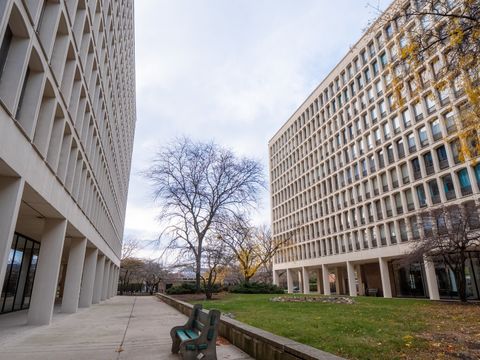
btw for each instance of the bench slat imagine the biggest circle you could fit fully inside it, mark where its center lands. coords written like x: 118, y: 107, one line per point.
x: 198, y: 325
x: 183, y: 335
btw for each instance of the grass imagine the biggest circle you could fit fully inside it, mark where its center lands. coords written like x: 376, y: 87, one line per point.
x: 372, y: 328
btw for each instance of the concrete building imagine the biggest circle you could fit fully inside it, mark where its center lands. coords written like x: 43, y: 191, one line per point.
x: 350, y: 172
x: 67, y: 120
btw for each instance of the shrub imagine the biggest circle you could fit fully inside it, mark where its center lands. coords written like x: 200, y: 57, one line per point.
x: 185, y: 288
x: 256, y: 288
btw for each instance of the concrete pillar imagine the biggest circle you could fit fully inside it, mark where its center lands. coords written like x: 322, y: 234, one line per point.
x: 337, y: 281
x: 326, y: 280
x: 300, y: 280
x: 306, y: 281
x: 431, y: 279
x: 361, y: 285
x: 275, y: 277
x: 319, y: 281
x: 99, y: 272
x: 112, y: 282
x: 385, y: 275
x: 46, y: 276
x: 73, y: 277
x: 289, y: 281
x: 106, y: 278
x: 352, y: 286
x: 88, y: 279
x: 11, y: 190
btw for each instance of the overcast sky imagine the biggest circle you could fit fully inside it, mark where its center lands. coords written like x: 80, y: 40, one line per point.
x: 228, y: 70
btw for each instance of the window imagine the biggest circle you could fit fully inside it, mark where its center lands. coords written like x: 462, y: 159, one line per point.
x: 370, y: 95
x: 428, y: 160
x: 422, y: 135
x: 378, y: 88
x: 448, y: 187
x: 405, y: 176
x: 418, y: 112
x: 411, y: 142
x: 465, y: 185
x: 422, y: 200
x: 375, y: 68
x: 389, y: 31
x: 436, y: 131
x: 434, y: 192
x: 383, y: 108
x: 373, y: 114
x: 406, y: 118
x: 366, y: 73
x: 386, y: 130
x: 377, y: 136
x: 450, y: 122
x: 416, y: 168
x: 383, y: 60
x: 409, y: 197
x: 430, y: 101
x: 400, y: 148
x: 396, y: 125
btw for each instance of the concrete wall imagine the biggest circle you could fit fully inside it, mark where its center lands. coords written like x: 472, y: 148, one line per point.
x: 257, y: 343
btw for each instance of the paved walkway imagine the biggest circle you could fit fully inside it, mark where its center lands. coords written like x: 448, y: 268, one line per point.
x: 120, y: 328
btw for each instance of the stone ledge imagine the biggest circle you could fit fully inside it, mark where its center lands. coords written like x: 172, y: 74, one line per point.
x: 258, y: 343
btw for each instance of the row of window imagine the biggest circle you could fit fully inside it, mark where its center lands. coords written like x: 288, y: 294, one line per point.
x: 393, y: 232
x: 75, y: 138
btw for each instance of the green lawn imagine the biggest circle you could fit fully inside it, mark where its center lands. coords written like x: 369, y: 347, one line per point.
x: 372, y: 328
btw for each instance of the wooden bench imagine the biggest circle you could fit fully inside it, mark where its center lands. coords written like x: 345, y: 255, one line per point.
x: 372, y: 292
x: 197, y: 338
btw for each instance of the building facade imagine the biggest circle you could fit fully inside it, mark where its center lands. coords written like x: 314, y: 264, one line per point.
x: 67, y: 120
x: 352, y: 170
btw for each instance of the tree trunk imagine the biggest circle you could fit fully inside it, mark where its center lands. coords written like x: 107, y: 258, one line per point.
x: 198, y: 274
x: 462, y: 279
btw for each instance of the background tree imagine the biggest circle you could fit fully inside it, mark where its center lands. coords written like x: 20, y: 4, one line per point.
x: 216, y: 259
x: 253, y: 247
x: 196, y: 184
x: 153, y: 273
x: 443, y: 34
x: 131, y: 272
x: 449, y: 233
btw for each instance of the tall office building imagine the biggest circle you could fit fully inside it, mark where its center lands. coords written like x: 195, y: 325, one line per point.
x: 67, y: 120
x: 352, y: 170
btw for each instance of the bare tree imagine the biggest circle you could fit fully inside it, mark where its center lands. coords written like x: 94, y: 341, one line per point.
x: 253, y: 247
x: 130, y: 272
x: 196, y: 184
x: 449, y: 232
x: 216, y: 258
x: 153, y: 272
x: 129, y: 247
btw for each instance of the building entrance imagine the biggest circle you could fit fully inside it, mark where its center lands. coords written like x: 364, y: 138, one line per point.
x: 20, y: 274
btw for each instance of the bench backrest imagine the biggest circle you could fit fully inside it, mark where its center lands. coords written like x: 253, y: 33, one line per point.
x: 205, y: 323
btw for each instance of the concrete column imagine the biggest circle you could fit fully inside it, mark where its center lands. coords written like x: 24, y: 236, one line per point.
x: 106, y: 278
x: 112, y: 282
x: 73, y: 277
x: 275, y: 277
x: 385, y: 275
x: 319, y: 281
x: 289, y: 281
x: 306, y: 281
x: 300, y: 280
x: 11, y: 190
x: 352, y: 286
x: 431, y: 279
x: 46, y: 276
x: 361, y: 286
x: 99, y: 272
x: 326, y: 280
x: 88, y: 279
x: 337, y: 281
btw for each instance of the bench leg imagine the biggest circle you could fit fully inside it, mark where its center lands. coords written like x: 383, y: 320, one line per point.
x: 175, y: 345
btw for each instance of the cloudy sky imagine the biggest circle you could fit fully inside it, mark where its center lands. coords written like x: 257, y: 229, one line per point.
x: 232, y: 71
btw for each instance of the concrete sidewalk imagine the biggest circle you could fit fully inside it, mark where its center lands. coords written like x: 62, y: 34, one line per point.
x: 120, y: 328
